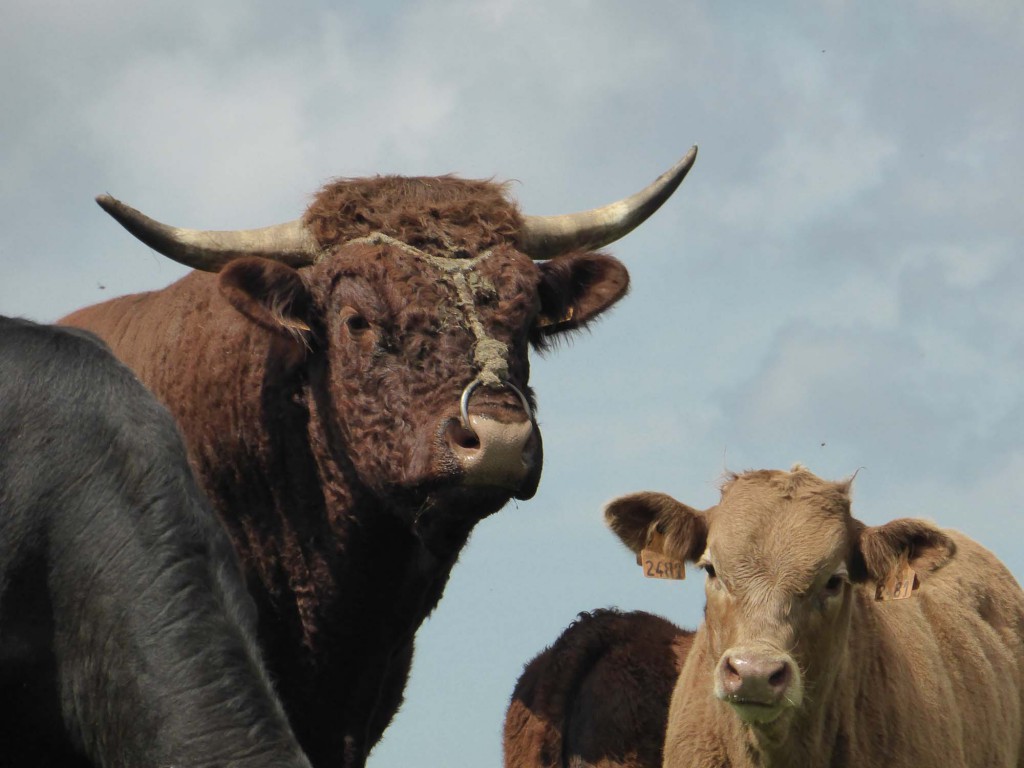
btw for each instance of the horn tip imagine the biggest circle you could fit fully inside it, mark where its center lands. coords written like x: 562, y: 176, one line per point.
x: 107, y: 202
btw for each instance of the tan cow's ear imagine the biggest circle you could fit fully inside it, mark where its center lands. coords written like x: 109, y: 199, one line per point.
x: 271, y: 294
x: 883, y: 547
x: 636, y: 518
x: 576, y: 288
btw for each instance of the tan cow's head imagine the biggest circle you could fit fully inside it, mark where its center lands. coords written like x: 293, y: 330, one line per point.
x: 785, y: 564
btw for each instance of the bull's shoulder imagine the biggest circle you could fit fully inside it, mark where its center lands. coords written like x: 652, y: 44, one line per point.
x: 174, y: 339
x: 150, y: 318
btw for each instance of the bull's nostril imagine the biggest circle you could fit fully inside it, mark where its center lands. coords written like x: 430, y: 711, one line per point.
x: 459, y: 436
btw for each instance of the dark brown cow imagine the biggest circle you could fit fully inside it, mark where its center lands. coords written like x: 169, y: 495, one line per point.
x: 599, y: 696
x: 809, y: 656
x: 356, y: 402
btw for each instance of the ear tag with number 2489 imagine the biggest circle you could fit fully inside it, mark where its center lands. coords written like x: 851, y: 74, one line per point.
x: 658, y: 565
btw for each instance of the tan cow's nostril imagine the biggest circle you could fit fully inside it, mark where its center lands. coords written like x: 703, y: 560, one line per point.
x: 731, y: 678
x: 779, y: 679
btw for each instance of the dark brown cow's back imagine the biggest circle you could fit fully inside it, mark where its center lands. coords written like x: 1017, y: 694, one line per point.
x: 598, y: 697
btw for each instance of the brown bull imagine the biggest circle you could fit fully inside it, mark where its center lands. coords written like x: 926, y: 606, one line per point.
x: 827, y: 642
x: 598, y: 696
x: 353, y: 388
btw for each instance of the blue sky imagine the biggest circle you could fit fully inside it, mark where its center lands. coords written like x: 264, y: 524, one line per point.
x: 837, y: 282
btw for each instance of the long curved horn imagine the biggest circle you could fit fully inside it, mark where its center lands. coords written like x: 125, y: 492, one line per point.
x: 544, y: 237
x: 210, y: 250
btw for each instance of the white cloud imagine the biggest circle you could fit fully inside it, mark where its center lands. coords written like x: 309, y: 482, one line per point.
x: 985, y: 502
x: 826, y: 159
x: 1001, y: 17
x: 180, y: 123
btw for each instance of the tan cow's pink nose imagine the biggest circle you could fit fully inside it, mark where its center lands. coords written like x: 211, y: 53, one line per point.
x: 492, y: 452
x: 753, y: 678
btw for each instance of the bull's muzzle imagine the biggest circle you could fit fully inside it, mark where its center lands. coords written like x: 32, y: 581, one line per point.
x: 491, y: 452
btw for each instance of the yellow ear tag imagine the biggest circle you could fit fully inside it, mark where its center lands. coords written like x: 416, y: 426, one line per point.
x: 900, y: 583
x: 543, y: 321
x: 656, y: 564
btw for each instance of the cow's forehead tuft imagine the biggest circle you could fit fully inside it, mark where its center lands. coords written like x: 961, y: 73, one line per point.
x: 424, y: 212
x: 770, y: 485
x: 785, y: 526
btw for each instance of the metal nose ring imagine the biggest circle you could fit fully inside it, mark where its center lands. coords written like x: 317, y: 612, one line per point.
x: 468, y: 393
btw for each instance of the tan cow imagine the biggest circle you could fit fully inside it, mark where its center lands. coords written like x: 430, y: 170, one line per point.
x: 804, y: 657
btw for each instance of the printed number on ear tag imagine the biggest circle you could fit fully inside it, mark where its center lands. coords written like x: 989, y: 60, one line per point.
x: 658, y: 566
x: 900, y: 583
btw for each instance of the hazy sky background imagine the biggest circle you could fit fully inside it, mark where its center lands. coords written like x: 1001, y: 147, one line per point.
x: 838, y: 281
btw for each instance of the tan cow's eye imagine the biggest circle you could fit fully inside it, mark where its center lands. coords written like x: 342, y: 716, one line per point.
x: 833, y: 586
x: 709, y: 569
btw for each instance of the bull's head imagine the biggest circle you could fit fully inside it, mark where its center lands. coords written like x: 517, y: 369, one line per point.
x: 412, y: 303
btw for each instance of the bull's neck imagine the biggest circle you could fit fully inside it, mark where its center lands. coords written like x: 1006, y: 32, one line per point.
x: 336, y: 546
x: 307, y: 529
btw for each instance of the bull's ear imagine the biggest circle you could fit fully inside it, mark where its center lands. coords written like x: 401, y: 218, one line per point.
x: 576, y: 288
x: 638, y: 518
x: 881, y: 549
x: 270, y: 294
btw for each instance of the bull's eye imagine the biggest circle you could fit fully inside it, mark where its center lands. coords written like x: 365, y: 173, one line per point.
x: 354, y: 321
x: 709, y: 569
x: 357, y: 323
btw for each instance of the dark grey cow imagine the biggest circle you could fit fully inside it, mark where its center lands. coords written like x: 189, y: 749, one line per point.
x: 126, y: 635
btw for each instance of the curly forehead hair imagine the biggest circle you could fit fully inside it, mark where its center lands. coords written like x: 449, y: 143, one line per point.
x: 798, y: 483
x: 442, y: 212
